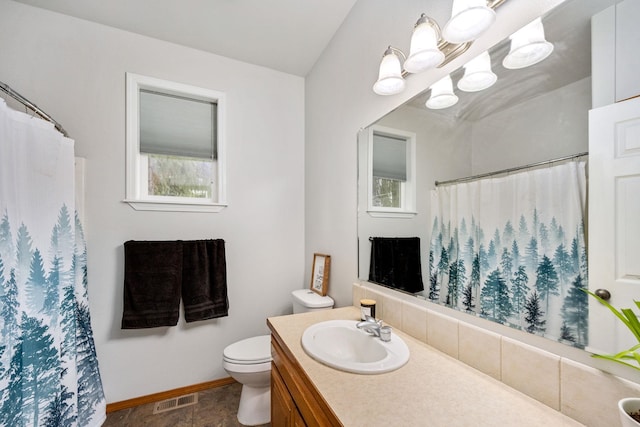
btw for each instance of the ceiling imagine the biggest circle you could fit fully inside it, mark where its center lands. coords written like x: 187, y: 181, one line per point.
x: 284, y: 35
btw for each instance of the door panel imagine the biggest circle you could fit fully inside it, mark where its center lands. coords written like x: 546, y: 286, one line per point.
x: 614, y: 219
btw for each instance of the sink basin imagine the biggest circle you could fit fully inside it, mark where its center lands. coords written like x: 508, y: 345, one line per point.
x: 341, y: 345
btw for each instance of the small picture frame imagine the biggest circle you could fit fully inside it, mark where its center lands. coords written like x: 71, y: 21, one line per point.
x: 320, y: 273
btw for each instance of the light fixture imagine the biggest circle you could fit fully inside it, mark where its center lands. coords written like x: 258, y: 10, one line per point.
x: 528, y: 46
x: 442, y: 95
x: 390, y: 80
x: 469, y: 19
x: 424, y: 52
x: 477, y: 74
x: 431, y: 47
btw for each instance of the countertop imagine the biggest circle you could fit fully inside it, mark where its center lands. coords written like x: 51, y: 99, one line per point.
x: 432, y: 389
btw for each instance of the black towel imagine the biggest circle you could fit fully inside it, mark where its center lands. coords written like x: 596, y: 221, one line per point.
x: 204, y: 280
x: 157, y: 273
x: 152, y: 276
x: 395, y: 262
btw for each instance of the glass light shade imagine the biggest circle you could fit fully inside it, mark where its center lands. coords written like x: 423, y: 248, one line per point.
x: 390, y: 81
x: 477, y: 74
x: 469, y: 19
x: 442, y: 95
x: 528, y: 46
x: 424, y: 52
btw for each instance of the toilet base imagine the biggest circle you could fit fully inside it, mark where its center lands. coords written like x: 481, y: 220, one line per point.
x: 255, y: 405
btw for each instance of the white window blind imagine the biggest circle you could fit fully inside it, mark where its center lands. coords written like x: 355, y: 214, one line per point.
x: 389, y: 157
x: 177, y: 126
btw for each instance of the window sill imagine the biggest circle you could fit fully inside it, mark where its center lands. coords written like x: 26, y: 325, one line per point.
x: 391, y: 214
x: 153, y: 205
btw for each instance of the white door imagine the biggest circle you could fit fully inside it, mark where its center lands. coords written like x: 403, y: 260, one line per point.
x: 614, y: 220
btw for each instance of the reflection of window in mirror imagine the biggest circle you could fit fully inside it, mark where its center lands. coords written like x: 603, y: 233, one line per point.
x: 175, y: 146
x: 391, y: 172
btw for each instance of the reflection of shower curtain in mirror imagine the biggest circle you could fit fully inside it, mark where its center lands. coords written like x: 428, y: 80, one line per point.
x: 512, y: 249
x: 48, y: 367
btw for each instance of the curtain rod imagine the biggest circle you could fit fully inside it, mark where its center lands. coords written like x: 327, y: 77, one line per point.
x: 30, y: 105
x: 517, y: 168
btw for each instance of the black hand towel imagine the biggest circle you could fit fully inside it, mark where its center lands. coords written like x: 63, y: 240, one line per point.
x: 395, y: 262
x: 204, y: 280
x: 152, y: 275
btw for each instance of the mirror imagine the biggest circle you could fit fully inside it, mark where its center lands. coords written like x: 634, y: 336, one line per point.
x: 529, y: 115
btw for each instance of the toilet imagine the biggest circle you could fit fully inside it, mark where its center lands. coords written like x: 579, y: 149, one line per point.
x: 248, y: 361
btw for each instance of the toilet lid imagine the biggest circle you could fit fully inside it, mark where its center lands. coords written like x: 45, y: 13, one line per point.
x: 249, y: 351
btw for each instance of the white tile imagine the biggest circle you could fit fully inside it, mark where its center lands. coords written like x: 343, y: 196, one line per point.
x: 590, y: 395
x: 392, y: 312
x: 414, y: 321
x: 532, y: 371
x: 358, y: 293
x: 480, y: 349
x: 442, y: 333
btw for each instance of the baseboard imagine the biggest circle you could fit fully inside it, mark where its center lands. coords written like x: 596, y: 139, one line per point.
x: 156, y: 397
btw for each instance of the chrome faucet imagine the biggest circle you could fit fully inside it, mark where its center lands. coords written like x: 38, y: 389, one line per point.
x: 370, y: 325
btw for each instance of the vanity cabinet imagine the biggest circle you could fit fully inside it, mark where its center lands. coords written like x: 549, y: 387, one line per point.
x: 294, y: 399
x: 430, y: 389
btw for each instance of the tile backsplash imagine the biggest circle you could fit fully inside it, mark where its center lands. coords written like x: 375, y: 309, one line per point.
x: 581, y: 392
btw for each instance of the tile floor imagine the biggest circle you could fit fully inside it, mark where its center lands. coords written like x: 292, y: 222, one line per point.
x: 216, y: 407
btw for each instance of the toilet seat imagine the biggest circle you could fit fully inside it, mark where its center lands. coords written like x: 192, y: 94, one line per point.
x: 250, y: 351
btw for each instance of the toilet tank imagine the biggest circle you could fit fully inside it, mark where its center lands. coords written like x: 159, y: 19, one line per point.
x: 306, y: 300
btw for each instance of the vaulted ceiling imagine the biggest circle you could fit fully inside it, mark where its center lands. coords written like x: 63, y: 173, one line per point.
x: 285, y: 35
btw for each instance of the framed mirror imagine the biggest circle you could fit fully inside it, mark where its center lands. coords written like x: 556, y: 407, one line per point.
x: 529, y: 116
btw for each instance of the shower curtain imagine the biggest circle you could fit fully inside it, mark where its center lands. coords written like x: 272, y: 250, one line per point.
x: 512, y: 250
x: 48, y: 367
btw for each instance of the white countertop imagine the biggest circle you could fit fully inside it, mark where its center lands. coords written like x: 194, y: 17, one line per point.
x: 432, y: 389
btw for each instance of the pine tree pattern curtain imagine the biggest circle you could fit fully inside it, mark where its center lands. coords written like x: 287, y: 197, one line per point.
x: 512, y: 250
x: 48, y: 367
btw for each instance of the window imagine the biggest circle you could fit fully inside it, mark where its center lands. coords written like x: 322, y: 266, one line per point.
x: 175, y: 146
x: 391, y: 172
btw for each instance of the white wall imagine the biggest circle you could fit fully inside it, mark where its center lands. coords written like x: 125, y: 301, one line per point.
x: 75, y: 71
x: 615, y: 60
x: 627, y: 60
x: 547, y: 127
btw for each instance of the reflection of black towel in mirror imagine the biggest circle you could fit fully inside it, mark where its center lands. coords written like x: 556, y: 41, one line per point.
x: 395, y: 262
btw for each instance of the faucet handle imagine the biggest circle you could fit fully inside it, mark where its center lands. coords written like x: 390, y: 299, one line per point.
x: 372, y: 319
x: 385, y: 333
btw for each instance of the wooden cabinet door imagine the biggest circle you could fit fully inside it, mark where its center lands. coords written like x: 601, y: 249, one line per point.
x: 284, y: 412
x: 281, y: 402
x: 297, y: 420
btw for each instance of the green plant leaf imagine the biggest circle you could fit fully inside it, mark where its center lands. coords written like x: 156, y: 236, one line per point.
x: 635, y: 347
x: 630, y: 320
x: 634, y: 330
x: 613, y: 359
x: 633, y: 321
